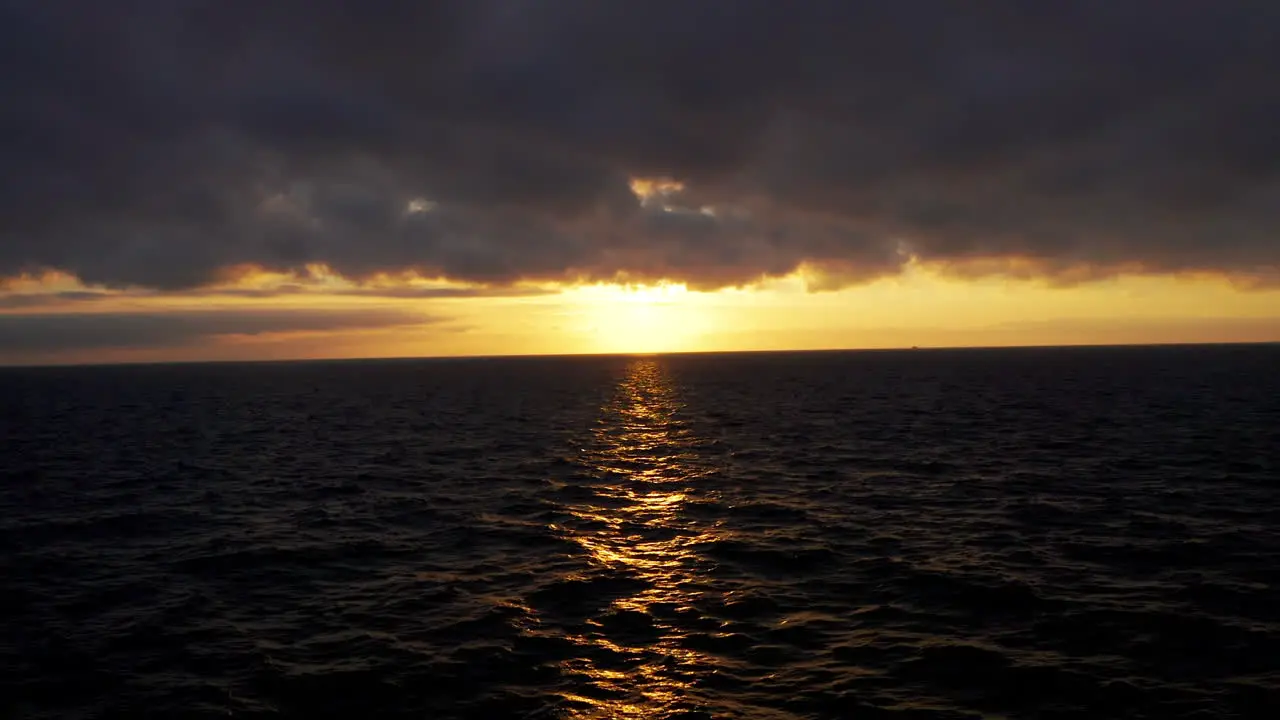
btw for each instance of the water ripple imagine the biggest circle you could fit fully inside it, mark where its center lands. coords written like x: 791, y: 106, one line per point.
x: 1069, y: 533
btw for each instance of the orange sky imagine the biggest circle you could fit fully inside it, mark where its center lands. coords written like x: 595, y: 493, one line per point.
x: 919, y: 308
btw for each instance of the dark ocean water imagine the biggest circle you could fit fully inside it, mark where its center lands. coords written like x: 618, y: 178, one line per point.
x: 1055, y: 533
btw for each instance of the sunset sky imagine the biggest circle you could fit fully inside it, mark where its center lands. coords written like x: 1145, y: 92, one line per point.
x: 192, y: 180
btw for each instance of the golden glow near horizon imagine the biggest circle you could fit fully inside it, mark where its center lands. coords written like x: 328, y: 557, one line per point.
x: 639, y: 319
x: 918, y: 308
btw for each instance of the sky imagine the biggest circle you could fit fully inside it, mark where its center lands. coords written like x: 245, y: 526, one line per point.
x: 233, y: 179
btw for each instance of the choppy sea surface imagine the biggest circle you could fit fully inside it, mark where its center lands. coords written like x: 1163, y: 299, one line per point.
x: 1034, y: 533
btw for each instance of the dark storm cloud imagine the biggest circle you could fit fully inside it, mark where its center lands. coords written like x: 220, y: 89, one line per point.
x: 54, y: 332
x: 149, y: 143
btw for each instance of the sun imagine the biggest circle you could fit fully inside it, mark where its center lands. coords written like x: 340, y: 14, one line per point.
x: 639, y: 319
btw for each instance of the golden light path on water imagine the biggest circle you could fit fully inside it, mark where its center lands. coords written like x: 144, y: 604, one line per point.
x: 647, y: 459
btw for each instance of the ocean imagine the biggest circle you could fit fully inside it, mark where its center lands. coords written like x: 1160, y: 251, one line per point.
x: 1004, y: 533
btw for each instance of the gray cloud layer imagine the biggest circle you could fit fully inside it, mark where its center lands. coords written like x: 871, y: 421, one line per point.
x: 154, y: 142
x: 21, y: 300
x: 56, y: 332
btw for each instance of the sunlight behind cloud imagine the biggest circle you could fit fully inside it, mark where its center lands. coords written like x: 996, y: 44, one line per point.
x: 652, y: 191
x: 419, y: 205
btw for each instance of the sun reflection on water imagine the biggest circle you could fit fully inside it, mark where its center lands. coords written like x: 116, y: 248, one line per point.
x: 647, y: 462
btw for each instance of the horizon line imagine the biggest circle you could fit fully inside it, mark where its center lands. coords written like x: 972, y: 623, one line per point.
x: 551, y: 355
